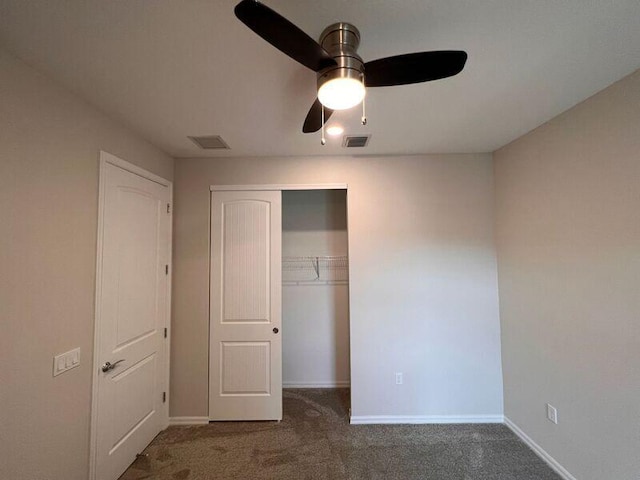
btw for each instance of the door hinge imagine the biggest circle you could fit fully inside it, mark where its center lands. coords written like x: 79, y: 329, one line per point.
x: 168, y: 208
x: 165, y: 332
x: 166, y: 269
x: 164, y: 397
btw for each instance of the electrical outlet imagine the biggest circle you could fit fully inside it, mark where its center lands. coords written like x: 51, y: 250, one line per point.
x: 552, y: 414
x: 399, y: 378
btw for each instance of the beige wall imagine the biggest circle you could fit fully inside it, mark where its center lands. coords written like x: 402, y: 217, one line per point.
x: 49, y: 143
x: 423, y: 286
x: 568, y: 235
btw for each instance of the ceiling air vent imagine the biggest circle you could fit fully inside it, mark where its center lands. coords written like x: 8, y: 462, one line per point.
x: 210, y: 142
x: 355, y: 141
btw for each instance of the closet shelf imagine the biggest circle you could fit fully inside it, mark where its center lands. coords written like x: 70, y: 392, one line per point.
x: 315, y: 270
x: 316, y: 282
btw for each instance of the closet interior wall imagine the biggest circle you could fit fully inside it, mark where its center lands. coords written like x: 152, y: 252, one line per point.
x: 315, y: 306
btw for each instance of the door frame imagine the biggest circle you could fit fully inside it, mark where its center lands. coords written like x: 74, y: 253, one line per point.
x: 282, y: 188
x: 105, y: 159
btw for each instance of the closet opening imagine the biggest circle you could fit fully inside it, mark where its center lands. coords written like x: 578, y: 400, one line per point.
x: 279, y: 302
x: 315, y: 298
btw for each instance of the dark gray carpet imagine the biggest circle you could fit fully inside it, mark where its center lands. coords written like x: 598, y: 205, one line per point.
x: 314, y: 441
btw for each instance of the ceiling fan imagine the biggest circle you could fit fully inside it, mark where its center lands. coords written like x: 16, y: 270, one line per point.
x: 341, y: 74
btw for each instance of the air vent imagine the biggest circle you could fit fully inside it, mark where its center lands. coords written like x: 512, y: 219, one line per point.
x: 355, y: 141
x: 210, y: 142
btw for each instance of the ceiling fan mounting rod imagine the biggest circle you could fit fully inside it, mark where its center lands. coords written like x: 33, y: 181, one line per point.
x: 341, y: 40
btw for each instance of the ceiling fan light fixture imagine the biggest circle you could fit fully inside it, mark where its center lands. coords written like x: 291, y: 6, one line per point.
x: 341, y: 93
x: 340, y: 70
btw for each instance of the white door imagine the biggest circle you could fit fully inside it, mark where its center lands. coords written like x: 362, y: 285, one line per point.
x: 132, y: 314
x: 245, y: 345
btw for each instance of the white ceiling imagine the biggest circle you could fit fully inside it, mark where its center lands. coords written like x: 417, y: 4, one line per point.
x: 168, y: 69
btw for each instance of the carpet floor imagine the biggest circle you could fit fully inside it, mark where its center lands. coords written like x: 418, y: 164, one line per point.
x: 314, y: 441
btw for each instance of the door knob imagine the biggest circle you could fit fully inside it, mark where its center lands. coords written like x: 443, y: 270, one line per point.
x: 110, y: 366
x: 275, y: 330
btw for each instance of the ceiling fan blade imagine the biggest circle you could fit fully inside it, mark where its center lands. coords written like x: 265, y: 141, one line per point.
x: 283, y: 35
x: 413, y: 68
x: 313, y: 122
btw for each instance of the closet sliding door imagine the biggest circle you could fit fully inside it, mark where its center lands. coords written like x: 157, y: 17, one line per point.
x: 245, y: 364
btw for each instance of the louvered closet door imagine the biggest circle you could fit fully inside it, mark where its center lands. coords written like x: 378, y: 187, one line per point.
x: 245, y: 311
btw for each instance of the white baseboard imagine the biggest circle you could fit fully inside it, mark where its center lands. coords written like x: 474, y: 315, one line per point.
x: 538, y: 450
x: 188, y: 420
x: 424, y: 419
x: 336, y: 384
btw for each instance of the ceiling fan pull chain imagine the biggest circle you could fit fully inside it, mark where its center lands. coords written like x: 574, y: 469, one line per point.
x: 364, y: 113
x: 323, y: 141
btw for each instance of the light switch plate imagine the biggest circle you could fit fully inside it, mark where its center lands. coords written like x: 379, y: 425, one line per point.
x: 66, y: 361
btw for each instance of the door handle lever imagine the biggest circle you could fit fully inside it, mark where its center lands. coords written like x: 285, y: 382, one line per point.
x: 110, y: 366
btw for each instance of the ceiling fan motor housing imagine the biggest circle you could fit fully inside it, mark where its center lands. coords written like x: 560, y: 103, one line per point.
x: 341, y: 40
